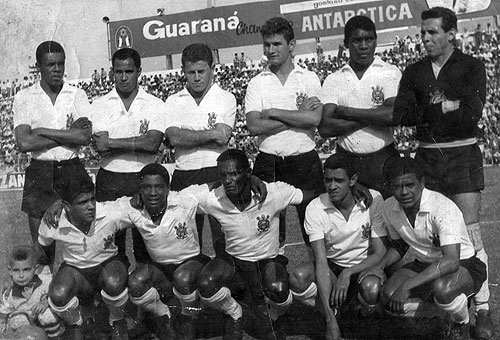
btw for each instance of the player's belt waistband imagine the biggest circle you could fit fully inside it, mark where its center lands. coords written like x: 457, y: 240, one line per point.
x: 290, y: 157
x: 56, y: 163
x: 454, y: 144
x: 371, y: 154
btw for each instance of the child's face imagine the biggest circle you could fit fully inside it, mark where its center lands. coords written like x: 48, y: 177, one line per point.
x: 22, y: 272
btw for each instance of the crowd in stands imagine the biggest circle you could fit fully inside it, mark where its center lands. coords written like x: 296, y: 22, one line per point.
x: 235, y: 77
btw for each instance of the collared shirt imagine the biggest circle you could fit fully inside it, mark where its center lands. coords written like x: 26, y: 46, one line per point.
x: 86, y: 250
x: 175, y: 239
x: 33, y: 107
x: 251, y: 234
x: 109, y: 114
x: 346, y: 241
x: 265, y: 91
x: 217, y: 106
x: 439, y: 222
x: 379, y: 82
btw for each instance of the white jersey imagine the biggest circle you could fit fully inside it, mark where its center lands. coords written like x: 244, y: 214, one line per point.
x: 109, y: 114
x: 346, y: 242
x: 379, y: 82
x: 265, y: 91
x: 33, y: 107
x: 175, y: 239
x: 251, y: 234
x: 86, y: 250
x: 217, y: 106
x: 439, y: 222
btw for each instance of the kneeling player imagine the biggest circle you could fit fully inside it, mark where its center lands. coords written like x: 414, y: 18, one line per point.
x: 346, y: 238
x: 251, y: 260
x: 91, y: 262
x: 445, y: 265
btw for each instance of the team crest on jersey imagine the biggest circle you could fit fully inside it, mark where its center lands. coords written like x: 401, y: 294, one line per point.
x: 212, y: 118
x: 301, y: 96
x: 143, y: 128
x: 435, y: 240
x: 378, y: 95
x: 70, y: 119
x: 263, y: 223
x: 181, y: 231
x: 367, y: 230
x: 109, y: 241
x: 437, y: 96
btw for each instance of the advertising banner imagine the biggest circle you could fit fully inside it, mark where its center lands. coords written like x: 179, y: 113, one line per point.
x: 239, y: 25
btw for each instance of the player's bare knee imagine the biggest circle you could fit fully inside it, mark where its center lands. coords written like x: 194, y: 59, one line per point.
x: 114, y: 284
x: 277, y: 291
x: 137, y: 284
x: 208, y: 284
x: 442, y: 290
x: 370, y: 288
x: 60, y: 295
x: 184, y: 281
x: 299, y: 280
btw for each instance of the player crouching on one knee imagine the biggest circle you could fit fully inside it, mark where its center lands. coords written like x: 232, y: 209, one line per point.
x: 91, y: 262
x: 443, y: 264
x: 346, y: 238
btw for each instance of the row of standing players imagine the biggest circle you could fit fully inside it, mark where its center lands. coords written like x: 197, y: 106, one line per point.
x: 442, y: 95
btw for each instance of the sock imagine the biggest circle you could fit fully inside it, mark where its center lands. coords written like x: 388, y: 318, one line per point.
x: 115, y: 305
x: 50, y: 324
x: 70, y: 313
x: 151, y: 302
x: 483, y: 296
x: 459, y: 313
x: 366, y: 308
x: 224, y: 302
x: 278, y: 309
x: 190, y: 303
x: 307, y: 297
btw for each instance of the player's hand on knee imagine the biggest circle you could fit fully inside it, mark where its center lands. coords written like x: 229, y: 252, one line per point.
x: 340, y: 288
x: 53, y: 213
x: 362, y: 193
x: 398, y: 299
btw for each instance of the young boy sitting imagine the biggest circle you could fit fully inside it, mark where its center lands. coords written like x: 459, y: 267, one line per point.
x: 26, y: 301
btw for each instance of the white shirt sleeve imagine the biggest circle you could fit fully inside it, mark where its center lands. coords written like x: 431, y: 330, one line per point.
x: 197, y: 193
x: 45, y: 234
x: 156, y: 115
x: 377, y: 220
x: 82, y: 105
x: 253, y: 97
x: 447, y: 220
x: 287, y: 194
x: 387, y: 207
x: 313, y: 223
x: 328, y: 95
x: 20, y: 110
x: 228, y: 111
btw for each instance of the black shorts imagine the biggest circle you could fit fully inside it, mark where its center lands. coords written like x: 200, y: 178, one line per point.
x: 453, y: 171
x: 475, y: 267
x: 352, y: 291
x: 112, y: 185
x: 92, y: 274
x: 181, y: 179
x: 303, y: 171
x: 371, y: 167
x: 247, y: 277
x: 44, y: 180
x: 169, y: 269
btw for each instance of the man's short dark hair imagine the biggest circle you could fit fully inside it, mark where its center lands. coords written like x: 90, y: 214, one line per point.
x: 236, y: 156
x: 448, y: 16
x: 48, y: 47
x: 23, y: 253
x: 339, y: 161
x: 124, y: 54
x: 399, y: 166
x: 278, y: 25
x: 79, y: 183
x: 197, y: 52
x: 155, y: 169
x: 360, y: 22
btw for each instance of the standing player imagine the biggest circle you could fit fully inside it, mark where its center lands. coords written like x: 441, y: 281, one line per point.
x: 346, y: 239
x: 49, y: 120
x: 128, y: 129
x: 443, y: 95
x: 283, y: 110
x: 358, y: 103
x: 444, y: 264
x: 91, y: 262
x: 199, y: 122
x: 251, y: 262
